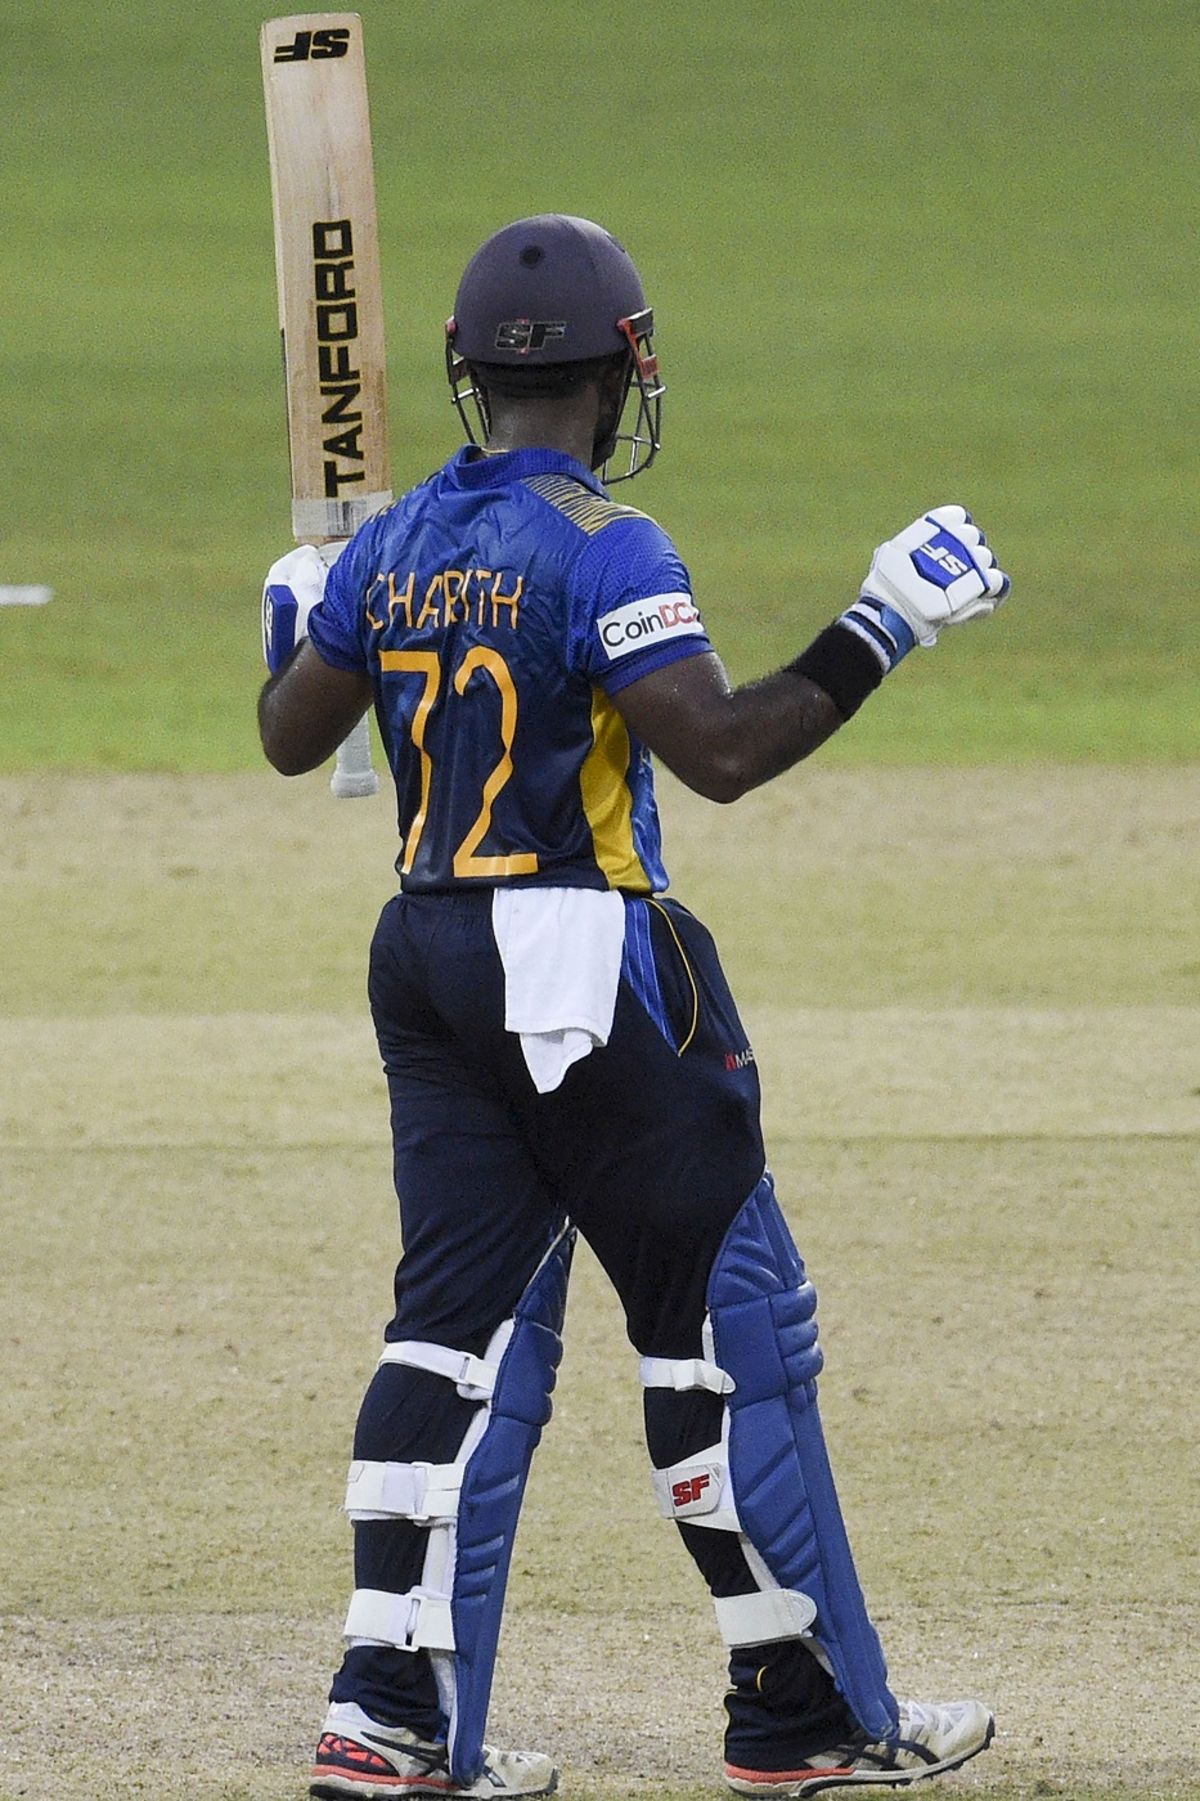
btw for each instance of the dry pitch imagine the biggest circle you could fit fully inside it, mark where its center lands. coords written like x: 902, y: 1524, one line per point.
x: 975, y: 998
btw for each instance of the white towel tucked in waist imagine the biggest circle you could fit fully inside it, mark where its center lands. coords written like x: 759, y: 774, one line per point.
x: 561, y: 951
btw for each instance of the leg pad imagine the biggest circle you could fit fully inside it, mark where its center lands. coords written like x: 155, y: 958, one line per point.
x: 764, y: 1335
x: 470, y: 1507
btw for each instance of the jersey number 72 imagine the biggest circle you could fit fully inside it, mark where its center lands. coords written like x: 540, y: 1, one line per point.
x: 427, y: 665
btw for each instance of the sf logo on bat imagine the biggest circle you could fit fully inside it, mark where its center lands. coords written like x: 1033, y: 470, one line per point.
x: 315, y: 46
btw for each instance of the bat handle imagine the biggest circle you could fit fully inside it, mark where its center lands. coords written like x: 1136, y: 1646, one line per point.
x: 354, y: 776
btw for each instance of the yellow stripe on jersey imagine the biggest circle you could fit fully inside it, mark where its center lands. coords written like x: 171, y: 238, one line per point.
x: 607, y: 802
x: 590, y: 512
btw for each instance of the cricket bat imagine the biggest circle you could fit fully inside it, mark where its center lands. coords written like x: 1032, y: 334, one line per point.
x: 330, y: 294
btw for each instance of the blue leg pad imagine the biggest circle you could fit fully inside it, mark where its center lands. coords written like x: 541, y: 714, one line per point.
x: 490, y: 1501
x: 761, y: 1311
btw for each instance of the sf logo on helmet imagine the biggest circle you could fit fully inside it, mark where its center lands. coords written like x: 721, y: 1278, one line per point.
x: 524, y: 335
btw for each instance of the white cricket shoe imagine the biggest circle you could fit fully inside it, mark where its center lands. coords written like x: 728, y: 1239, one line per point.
x: 357, y: 1758
x: 935, y: 1736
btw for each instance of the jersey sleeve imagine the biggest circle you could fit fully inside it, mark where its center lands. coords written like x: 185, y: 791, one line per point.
x: 336, y: 625
x: 631, y: 606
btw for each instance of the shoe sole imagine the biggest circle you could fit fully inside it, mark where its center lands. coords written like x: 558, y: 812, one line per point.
x: 355, y: 1788
x: 821, y: 1783
x: 336, y: 1787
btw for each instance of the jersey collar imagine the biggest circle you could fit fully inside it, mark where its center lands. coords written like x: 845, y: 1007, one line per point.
x: 470, y: 468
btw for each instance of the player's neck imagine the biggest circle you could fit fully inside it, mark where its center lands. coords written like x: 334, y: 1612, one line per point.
x: 542, y: 425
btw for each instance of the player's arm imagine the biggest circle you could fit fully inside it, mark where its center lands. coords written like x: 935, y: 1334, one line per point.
x: 720, y: 740
x: 313, y: 698
x: 723, y: 741
x: 307, y: 709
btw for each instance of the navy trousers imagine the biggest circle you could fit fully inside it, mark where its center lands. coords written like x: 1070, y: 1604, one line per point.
x: 651, y: 1145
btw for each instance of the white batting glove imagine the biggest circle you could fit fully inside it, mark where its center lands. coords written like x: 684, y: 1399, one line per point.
x: 940, y: 571
x: 295, y: 583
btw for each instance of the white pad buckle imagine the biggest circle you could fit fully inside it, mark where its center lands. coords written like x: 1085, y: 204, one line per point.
x: 474, y: 1378
x: 683, y: 1373
x: 765, y: 1617
x: 421, y: 1620
x: 426, y: 1493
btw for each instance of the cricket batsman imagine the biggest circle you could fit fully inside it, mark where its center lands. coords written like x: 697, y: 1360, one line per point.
x: 562, y: 1050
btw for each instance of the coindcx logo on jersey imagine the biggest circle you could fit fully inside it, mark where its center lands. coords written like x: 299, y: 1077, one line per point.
x: 644, y: 622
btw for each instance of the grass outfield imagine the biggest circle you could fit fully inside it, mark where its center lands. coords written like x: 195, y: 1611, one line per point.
x: 896, y: 257
x: 981, y: 1072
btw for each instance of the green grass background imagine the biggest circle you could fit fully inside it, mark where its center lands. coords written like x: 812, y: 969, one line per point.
x: 899, y: 253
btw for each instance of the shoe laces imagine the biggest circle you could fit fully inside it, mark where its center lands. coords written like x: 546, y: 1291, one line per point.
x: 917, y: 1717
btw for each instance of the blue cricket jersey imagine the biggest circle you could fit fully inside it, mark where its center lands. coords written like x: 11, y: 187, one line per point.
x: 497, y: 609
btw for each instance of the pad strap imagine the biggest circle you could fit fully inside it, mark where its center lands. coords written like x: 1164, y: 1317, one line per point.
x: 474, y: 1377
x: 426, y: 1493
x: 764, y: 1618
x: 682, y: 1373
x: 418, y: 1621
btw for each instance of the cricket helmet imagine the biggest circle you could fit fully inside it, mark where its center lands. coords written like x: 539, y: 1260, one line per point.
x: 541, y: 305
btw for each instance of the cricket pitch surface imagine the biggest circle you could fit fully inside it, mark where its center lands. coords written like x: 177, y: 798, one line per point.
x: 974, y: 997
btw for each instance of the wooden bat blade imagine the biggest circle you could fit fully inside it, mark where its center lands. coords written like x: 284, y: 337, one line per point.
x: 327, y: 269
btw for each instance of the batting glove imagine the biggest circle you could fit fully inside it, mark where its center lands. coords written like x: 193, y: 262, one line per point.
x: 938, y: 572
x: 294, y: 585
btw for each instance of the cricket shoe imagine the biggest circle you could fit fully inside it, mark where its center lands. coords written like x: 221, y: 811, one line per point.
x: 935, y: 1736
x: 358, y: 1759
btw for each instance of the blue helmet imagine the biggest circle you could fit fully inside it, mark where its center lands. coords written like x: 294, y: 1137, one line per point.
x: 544, y: 296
